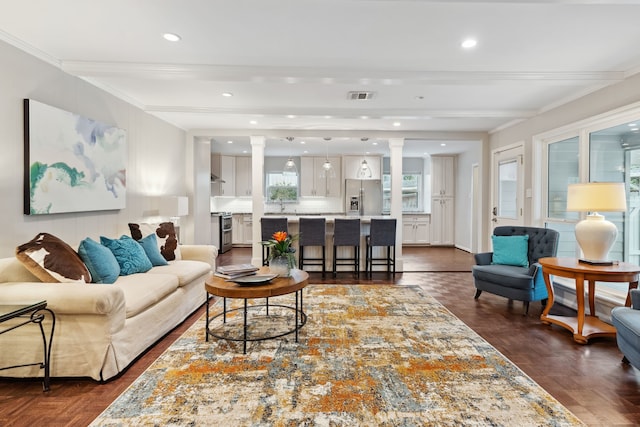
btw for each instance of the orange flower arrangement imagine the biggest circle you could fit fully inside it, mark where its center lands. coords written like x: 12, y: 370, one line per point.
x: 280, y: 245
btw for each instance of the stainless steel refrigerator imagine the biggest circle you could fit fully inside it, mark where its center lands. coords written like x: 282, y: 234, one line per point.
x: 363, y: 196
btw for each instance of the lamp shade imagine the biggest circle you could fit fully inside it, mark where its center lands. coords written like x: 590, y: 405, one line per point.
x: 595, y: 234
x: 597, y: 197
x: 174, y: 206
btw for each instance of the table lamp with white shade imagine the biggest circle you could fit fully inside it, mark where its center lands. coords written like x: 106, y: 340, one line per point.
x: 595, y: 234
x: 174, y: 207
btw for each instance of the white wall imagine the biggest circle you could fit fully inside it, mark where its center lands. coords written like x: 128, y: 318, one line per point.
x: 156, y: 152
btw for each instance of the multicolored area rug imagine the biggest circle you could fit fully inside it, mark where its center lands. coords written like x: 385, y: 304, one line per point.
x: 368, y: 356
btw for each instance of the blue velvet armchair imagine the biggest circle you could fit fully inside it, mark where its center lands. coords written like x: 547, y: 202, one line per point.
x: 627, y: 323
x: 522, y: 283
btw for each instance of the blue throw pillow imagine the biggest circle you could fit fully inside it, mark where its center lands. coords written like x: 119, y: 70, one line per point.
x: 150, y: 246
x: 100, y: 261
x: 510, y: 250
x: 129, y: 253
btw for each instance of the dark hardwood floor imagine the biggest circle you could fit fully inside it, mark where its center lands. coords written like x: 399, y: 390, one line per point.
x: 588, y: 379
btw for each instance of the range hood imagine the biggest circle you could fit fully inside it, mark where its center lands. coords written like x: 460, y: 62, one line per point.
x: 216, y: 179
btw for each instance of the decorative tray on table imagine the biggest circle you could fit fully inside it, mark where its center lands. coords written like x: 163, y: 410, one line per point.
x: 257, y: 279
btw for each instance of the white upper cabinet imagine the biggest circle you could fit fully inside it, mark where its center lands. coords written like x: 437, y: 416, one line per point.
x: 311, y: 181
x: 224, y: 167
x: 442, y: 176
x: 352, y: 164
x: 243, y: 176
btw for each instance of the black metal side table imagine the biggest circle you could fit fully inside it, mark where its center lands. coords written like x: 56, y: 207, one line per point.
x: 33, y: 313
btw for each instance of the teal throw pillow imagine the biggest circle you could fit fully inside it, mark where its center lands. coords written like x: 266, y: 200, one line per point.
x: 100, y: 261
x: 150, y: 246
x: 129, y: 253
x: 510, y: 250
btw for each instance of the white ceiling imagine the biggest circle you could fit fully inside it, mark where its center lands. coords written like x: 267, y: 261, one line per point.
x: 302, y: 57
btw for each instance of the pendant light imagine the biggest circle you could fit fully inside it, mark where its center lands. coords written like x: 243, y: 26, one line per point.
x: 290, y: 166
x: 364, y: 171
x: 327, y: 170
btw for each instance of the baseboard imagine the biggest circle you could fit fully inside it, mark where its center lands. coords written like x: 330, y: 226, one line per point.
x: 462, y: 248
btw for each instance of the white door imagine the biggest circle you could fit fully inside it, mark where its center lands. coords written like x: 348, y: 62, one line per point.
x: 508, y: 187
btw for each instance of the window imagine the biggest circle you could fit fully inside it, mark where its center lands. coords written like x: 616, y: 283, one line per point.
x: 281, y: 188
x: 605, y: 154
x: 413, y: 185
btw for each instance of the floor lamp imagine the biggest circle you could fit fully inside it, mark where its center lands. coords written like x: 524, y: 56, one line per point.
x: 595, y: 234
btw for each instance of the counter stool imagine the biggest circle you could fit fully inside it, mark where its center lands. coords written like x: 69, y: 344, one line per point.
x: 346, y: 232
x: 381, y: 233
x: 312, y: 233
x: 268, y: 226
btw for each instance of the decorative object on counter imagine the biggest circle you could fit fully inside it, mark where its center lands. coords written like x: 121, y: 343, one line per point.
x: 290, y: 167
x: 281, y: 254
x: 595, y: 234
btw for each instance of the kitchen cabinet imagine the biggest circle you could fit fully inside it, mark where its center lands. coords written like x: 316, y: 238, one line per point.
x: 242, y: 234
x: 225, y: 168
x: 352, y: 164
x: 442, y: 217
x: 312, y: 184
x: 442, y: 176
x: 415, y: 230
x: 442, y: 200
x: 243, y: 176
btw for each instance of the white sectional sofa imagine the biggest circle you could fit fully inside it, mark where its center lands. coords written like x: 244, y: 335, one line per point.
x: 101, y: 328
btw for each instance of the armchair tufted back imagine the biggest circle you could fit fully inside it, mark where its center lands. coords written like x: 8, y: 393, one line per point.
x: 543, y: 242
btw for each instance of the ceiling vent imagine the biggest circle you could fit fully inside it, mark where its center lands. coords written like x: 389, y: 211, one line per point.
x: 360, y: 96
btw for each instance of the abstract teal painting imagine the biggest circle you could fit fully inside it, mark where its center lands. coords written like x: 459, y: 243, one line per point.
x: 72, y: 163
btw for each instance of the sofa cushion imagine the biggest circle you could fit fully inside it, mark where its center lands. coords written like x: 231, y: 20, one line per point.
x: 52, y: 260
x: 510, y: 250
x: 507, y: 275
x: 165, y: 236
x: 142, y: 290
x: 185, y: 270
x: 129, y: 253
x: 150, y: 245
x: 100, y: 261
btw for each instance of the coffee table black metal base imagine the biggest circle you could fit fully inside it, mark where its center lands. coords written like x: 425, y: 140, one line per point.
x: 31, y: 314
x: 299, y: 315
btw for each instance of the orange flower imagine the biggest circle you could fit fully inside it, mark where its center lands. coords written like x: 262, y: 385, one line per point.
x: 279, y: 236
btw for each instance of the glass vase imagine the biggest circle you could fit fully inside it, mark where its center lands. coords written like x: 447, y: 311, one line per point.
x: 281, y: 265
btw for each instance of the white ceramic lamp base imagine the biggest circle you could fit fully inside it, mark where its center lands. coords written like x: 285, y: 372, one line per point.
x: 596, y: 236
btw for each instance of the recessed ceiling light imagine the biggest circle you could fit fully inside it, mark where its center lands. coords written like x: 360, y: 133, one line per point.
x: 291, y: 116
x: 227, y: 94
x: 631, y: 125
x: 327, y: 117
x: 469, y: 43
x: 253, y: 122
x: 396, y: 124
x: 302, y: 142
x: 443, y: 145
x: 172, y: 37
x: 364, y: 117
x: 244, y: 151
x: 229, y: 142
x: 374, y: 143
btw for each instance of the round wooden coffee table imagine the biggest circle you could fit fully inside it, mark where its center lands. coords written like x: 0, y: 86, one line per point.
x: 276, y: 287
